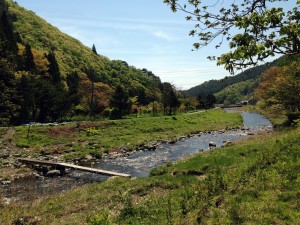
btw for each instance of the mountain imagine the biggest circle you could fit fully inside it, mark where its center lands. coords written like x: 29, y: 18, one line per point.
x: 215, y: 86
x: 46, y: 68
x: 241, y: 87
x: 70, y: 53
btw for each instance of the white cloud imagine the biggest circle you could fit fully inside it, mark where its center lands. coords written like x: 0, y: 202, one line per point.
x: 164, y: 36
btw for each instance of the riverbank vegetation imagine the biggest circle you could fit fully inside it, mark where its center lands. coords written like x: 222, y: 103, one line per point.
x: 77, y: 140
x: 254, y: 181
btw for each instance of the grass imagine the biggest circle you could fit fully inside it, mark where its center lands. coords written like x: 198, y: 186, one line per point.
x: 79, y: 139
x: 252, y: 182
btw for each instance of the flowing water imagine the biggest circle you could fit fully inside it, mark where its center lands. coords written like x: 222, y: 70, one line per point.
x: 140, y: 163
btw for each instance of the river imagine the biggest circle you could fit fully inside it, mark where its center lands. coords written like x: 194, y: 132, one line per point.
x: 141, y: 163
x: 138, y: 164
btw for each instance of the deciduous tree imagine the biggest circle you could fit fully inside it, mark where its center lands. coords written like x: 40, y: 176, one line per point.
x: 255, y: 29
x: 280, y: 89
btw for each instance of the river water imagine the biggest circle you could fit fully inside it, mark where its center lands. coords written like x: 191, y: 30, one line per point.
x: 140, y: 163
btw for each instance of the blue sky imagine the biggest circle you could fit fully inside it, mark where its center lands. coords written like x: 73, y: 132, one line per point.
x: 144, y: 33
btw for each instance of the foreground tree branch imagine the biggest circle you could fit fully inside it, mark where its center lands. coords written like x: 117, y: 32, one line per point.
x: 254, y: 29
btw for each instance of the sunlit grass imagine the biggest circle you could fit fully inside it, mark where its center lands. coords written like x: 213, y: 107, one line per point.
x: 82, y: 138
x: 255, y: 181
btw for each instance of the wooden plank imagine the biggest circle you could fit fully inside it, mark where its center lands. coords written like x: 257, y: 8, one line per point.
x: 75, y: 167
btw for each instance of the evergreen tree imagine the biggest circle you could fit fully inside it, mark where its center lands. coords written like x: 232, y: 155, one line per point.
x: 94, y: 49
x: 169, y: 98
x: 53, y: 68
x: 26, y: 93
x: 120, y: 103
x: 6, y: 32
x: 73, y: 85
x: 8, y: 95
x: 29, y: 64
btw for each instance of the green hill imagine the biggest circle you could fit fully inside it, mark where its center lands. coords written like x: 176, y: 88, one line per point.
x: 238, y: 88
x: 237, y: 93
x: 70, y: 53
x: 45, y: 62
x: 215, y: 86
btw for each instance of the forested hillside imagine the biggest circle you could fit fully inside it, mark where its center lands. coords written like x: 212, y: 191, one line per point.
x: 215, y: 86
x: 237, y: 93
x: 47, y: 75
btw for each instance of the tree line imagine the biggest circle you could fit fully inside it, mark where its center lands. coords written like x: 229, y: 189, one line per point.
x: 33, y: 89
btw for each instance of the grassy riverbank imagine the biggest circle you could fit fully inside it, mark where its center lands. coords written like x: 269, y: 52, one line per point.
x: 252, y: 182
x: 76, y: 140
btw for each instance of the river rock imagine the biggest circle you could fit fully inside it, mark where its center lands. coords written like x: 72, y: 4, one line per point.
x: 4, y: 156
x: 6, y: 182
x: 226, y: 143
x: 88, y: 157
x: 212, y: 144
x: 53, y: 173
x: 182, y: 138
x: 173, y: 141
x: 7, y: 201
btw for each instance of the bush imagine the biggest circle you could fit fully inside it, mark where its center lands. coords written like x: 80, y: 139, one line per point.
x: 106, y: 112
x: 115, y: 114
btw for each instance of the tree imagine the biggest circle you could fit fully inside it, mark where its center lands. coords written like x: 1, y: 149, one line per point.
x: 8, y: 96
x: 169, y: 98
x: 29, y: 64
x: 25, y: 90
x: 7, y: 33
x: 53, y: 68
x: 94, y: 49
x: 280, y: 90
x: 206, y: 102
x: 120, y: 102
x: 9, y: 107
x: 73, y: 82
x: 264, y: 29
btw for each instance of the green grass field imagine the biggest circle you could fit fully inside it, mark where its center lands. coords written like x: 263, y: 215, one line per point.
x: 255, y: 181
x: 79, y: 139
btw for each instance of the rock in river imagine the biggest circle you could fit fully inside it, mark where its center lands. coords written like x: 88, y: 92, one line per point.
x: 53, y: 173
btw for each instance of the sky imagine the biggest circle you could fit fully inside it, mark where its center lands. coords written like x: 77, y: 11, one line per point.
x: 144, y: 33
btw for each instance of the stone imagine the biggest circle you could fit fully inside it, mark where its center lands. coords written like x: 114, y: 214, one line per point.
x: 212, y: 144
x: 88, y: 157
x: 227, y: 143
x: 53, y: 173
x: 6, y: 182
x: 173, y: 141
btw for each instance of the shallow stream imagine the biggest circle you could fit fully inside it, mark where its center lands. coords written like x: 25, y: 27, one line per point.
x: 138, y: 164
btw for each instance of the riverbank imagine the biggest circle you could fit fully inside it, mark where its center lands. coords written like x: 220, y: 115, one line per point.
x: 92, y: 140
x: 253, y: 181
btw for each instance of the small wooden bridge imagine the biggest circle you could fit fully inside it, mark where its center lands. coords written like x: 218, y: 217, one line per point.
x: 71, y: 166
